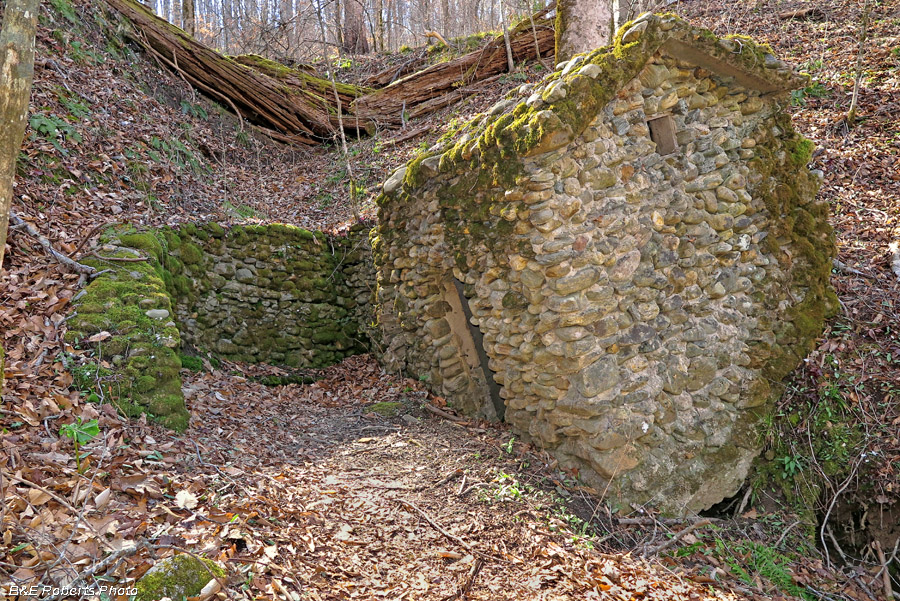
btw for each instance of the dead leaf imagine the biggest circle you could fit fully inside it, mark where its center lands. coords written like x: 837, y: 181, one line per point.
x: 186, y: 499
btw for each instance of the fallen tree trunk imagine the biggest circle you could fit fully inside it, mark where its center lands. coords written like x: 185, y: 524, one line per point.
x: 318, y: 91
x: 392, y: 74
x: 386, y: 105
x: 297, y: 113
x: 295, y: 106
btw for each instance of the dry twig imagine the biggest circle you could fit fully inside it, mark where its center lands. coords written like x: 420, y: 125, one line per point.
x: 65, y: 260
x: 677, y: 537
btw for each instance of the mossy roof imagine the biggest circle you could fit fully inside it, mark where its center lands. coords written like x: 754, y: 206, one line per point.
x: 536, y: 119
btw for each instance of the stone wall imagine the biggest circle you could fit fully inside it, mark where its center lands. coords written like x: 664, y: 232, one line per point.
x: 271, y: 294
x: 268, y: 293
x: 638, y: 309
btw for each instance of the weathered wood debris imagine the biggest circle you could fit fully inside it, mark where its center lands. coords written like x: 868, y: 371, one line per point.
x: 295, y: 106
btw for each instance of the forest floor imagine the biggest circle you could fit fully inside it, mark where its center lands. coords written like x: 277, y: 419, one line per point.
x: 348, y: 488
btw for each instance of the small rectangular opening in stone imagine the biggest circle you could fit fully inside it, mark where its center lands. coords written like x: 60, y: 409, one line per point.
x: 662, y: 131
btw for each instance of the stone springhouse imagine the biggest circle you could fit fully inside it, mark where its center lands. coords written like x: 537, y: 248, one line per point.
x: 622, y: 261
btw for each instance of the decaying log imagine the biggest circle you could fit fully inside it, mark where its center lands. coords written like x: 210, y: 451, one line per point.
x: 393, y: 73
x: 386, y: 105
x: 296, y: 113
x: 439, y: 102
x: 318, y: 91
x: 294, y: 106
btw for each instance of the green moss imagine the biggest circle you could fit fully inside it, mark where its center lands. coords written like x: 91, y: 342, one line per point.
x: 146, y: 370
x: 805, y: 224
x: 215, y: 230
x: 191, y: 254
x: 145, y: 241
x: 177, y: 577
x: 801, y: 149
x: 386, y: 408
x: 195, y: 364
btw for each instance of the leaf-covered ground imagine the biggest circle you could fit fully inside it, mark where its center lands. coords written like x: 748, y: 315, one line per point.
x: 349, y: 487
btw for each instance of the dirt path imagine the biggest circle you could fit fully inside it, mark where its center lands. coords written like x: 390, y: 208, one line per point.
x: 306, y: 489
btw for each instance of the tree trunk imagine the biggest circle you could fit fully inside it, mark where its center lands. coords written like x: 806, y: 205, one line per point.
x: 860, y: 53
x: 445, y: 17
x: 17, y: 70
x: 188, y: 15
x: 354, y: 38
x: 386, y: 105
x: 582, y: 26
x: 509, y: 55
x: 293, y: 106
x: 338, y: 28
x: 379, y: 26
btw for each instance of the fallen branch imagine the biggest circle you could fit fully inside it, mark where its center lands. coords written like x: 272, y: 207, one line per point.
x: 463, y: 593
x: 445, y: 415
x: 409, y: 135
x: 119, y: 259
x: 885, y: 570
x: 90, y: 235
x: 843, y: 267
x: 886, y: 564
x: 100, y: 567
x: 437, y: 36
x: 803, y: 13
x: 65, y: 260
x: 658, y: 549
x: 56, y: 498
x: 446, y: 534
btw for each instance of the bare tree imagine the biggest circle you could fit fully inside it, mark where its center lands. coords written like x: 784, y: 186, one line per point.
x: 581, y: 26
x: 379, y: 26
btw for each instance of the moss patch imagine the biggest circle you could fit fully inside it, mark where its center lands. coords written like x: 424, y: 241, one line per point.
x: 788, y: 190
x: 195, y: 364
x: 386, y: 408
x: 177, y: 577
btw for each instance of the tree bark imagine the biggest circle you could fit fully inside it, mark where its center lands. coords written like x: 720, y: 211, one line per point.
x: 16, y: 75
x: 379, y: 26
x: 860, y: 53
x: 354, y: 40
x: 293, y: 106
x: 582, y: 26
x: 188, y: 16
x: 387, y: 104
x: 445, y: 17
x: 509, y: 55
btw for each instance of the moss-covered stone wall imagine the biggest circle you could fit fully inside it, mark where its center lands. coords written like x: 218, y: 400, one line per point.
x: 271, y: 294
x: 261, y: 293
x: 637, y: 307
x: 125, y: 318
